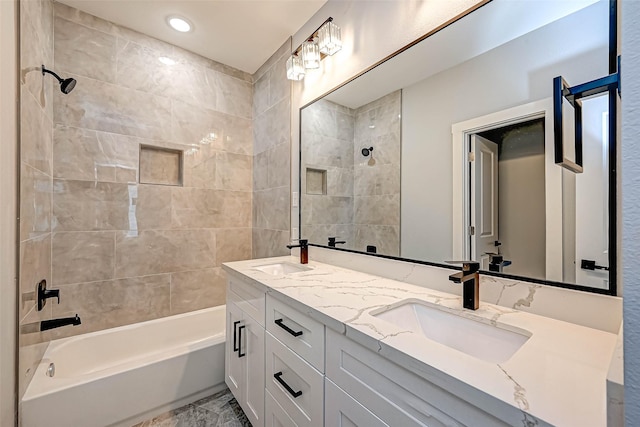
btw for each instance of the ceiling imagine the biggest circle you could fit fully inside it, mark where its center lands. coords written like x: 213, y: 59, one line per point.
x: 239, y: 33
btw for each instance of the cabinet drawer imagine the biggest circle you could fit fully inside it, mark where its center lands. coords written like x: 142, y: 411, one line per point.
x: 342, y: 410
x: 395, y: 395
x: 299, y: 332
x: 275, y: 416
x: 294, y: 384
x: 247, y: 297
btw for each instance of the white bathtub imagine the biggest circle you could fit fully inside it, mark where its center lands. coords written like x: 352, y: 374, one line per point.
x: 125, y: 375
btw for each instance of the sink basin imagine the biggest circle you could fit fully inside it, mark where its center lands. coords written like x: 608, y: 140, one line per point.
x: 281, y: 268
x: 487, y: 342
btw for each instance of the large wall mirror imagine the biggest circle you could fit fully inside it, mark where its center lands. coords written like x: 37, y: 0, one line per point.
x: 445, y: 150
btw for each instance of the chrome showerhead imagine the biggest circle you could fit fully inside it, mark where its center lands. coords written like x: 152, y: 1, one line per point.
x: 66, y: 85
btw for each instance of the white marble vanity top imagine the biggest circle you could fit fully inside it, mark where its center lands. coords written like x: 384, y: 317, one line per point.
x: 558, y: 377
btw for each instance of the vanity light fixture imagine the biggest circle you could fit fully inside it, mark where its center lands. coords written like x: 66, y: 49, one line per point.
x: 179, y: 24
x: 326, y: 40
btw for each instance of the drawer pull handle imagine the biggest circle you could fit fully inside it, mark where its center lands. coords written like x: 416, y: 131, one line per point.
x: 288, y: 329
x: 235, y: 343
x: 240, y: 353
x: 286, y: 386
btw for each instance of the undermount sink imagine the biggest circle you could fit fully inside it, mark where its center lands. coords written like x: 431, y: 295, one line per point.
x: 281, y: 268
x: 483, y: 341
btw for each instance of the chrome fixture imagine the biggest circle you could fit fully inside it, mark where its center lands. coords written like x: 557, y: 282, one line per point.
x: 470, y: 280
x: 66, y: 85
x: 325, y: 41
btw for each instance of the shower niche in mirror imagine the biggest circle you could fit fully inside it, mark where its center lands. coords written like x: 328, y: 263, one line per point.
x: 445, y: 151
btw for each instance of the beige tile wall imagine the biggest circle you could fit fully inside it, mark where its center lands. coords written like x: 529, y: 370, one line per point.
x: 36, y: 134
x: 119, y: 251
x: 272, y: 158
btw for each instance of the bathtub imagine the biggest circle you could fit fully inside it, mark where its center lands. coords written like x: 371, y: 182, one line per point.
x: 121, y: 376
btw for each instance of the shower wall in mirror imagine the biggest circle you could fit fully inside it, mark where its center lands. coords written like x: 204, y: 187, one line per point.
x: 414, y: 194
x: 351, y: 174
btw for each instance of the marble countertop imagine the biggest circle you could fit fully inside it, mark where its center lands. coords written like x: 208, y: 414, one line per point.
x: 558, y: 377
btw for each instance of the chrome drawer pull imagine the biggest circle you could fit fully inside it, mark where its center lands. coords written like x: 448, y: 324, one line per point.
x: 288, y: 329
x: 286, y: 386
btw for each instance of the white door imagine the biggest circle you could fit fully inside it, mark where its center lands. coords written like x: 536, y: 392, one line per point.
x: 484, y: 199
x: 251, y: 350
x: 592, y: 204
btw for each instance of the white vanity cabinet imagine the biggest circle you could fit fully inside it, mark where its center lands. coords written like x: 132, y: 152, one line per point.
x: 244, y: 351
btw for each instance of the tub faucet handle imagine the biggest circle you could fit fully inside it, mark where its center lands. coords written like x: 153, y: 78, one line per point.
x: 43, y: 294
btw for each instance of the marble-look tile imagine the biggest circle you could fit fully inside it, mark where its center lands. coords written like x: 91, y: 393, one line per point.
x: 72, y: 14
x: 35, y: 202
x: 29, y: 332
x: 36, y: 49
x: 271, y: 208
x: 331, y: 210
x: 320, y: 119
x: 377, y: 118
x: 195, y: 290
x: 203, y: 208
x: 268, y: 243
x: 94, y: 156
x: 163, y: 251
x: 385, y: 238
x: 279, y: 170
x: 345, y: 125
x: 233, y: 172
x: 82, y: 257
x: 340, y: 182
x: 35, y: 265
x: 268, y: 127
x: 233, y: 244
x: 261, y: 171
x: 160, y: 166
x: 261, y: 94
x: 84, y: 51
x: 378, y: 180
x: 279, y: 85
x: 36, y: 134
x: 324, y: 151
x: 194, y: 126
x: 386, y: 148
x: 111, y: 108
x: 112, y: 303
x: 379, y: 210
x: 200, y: 167
x: 90, y: 206
x: 152, y: 207
x: 284, y: 49
x: 232, y: 96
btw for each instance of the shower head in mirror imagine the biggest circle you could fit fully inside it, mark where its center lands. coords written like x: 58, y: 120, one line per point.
x: 367, y: 151
x: 66, y: 85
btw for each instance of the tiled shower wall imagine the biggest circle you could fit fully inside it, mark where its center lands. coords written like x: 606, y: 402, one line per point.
x: 327, y: 145
x: 36, y: 116
x: 362, y: 201
x: 376, y: 188
x: 272, y: 160
x: 124, y: 252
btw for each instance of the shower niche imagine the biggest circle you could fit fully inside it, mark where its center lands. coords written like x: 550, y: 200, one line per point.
x: 160, y: 166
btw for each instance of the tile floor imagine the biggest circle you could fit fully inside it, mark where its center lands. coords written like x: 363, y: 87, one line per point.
x: 219, y: 410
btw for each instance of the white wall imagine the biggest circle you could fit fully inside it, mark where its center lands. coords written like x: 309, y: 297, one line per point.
x: 631, y: 206
x: 513, y: 74
x: 8, y: 176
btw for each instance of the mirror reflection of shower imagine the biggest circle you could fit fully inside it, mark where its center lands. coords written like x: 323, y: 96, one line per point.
x: 66, y: 85
x: 366, y: 152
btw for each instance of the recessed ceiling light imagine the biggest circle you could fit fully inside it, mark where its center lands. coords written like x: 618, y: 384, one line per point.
x: 179, y: 24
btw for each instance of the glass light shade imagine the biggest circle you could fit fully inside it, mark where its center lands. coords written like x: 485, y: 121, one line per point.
x: 310, y: 54
x: 329, y: 39
x: 295, y: 70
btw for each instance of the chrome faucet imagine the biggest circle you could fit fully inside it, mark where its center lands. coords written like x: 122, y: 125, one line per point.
x: 470, y: 279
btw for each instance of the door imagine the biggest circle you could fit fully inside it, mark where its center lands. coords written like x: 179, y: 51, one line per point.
x: 251, y: 351
x: 234, y: 365
x: 484, y: 199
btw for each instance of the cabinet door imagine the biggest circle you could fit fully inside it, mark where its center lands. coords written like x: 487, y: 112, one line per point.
x: 274, y: 415
x: 252, y: 353
x: 234, y: 367
x: 342, y: 410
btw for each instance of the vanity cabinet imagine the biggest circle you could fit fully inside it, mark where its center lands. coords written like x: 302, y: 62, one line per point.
x: 244, y: 350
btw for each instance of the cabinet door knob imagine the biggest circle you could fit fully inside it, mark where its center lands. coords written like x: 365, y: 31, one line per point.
x: 278, y: 378
x: 288, y: 329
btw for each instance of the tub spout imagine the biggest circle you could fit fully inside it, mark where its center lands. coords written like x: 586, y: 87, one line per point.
x: 56, y: 323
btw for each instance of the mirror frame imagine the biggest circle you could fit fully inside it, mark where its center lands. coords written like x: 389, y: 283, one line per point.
x: 612, y: 153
